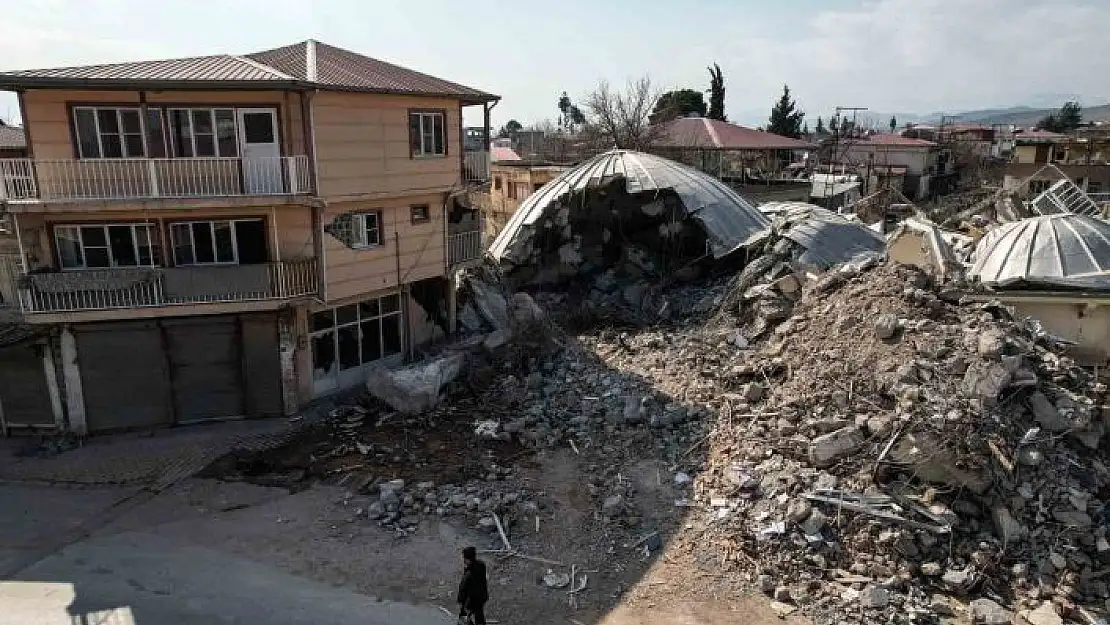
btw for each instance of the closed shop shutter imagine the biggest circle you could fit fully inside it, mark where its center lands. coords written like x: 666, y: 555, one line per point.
x: 204, y: 356
x: 24, y: 396
x: 123, y: 375
x: 261, y: 365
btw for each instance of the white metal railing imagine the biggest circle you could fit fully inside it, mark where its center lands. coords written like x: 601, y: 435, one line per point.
x: 476, y: 166
x: 137, y: 287
x: 464, y: 246
x: 1099, y: 197
x: 137, y: 178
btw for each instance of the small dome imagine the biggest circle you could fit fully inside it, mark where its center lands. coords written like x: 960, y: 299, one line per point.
x: 1057, y: 250
x: 730, y: 221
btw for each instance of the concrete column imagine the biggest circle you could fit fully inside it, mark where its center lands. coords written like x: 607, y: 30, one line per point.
x: 71, y: 372
x: 287, y: 346
x: 452, y: 303
x: 50, y: 372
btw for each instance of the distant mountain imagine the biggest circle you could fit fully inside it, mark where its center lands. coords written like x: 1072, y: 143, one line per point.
x: 1026, y: 116
x: 1016, y: 115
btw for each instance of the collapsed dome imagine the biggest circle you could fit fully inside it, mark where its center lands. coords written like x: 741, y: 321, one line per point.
x: 824, y: 238
x: 627, y: 185
x: 1064, y: 250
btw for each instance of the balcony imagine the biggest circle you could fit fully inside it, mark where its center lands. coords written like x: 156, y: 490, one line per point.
x: 464, y: 247
x: 147, y: 287
x: 25, y: 179
x: 476, y: 165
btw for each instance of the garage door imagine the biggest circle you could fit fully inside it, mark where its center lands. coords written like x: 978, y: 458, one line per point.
x: 123, y: 375
x: 205, y: 366
x: 261, y: 365
x: 24, y: 396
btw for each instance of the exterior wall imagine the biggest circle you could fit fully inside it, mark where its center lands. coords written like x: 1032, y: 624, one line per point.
x: 1088, y: 326
x: 1029, y: 153
x: 351, y: 272
x: 509, y: 187
x: 1016, y: 173
x: 50, y: 123
x: 362, y: 147
x: 915, y: 160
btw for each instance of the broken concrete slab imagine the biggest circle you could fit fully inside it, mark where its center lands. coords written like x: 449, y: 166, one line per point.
x: 985, y: 380
x: 416, y: 388
x: 932, y: 462
x: 826, y: 449
x: 987, y: 612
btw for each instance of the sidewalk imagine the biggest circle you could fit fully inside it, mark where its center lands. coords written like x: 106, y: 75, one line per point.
x: 152, y: 460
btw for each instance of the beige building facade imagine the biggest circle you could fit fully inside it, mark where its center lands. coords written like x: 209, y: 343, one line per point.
x: 252, y: 231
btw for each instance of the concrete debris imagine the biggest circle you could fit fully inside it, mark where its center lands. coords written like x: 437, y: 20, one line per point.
x: 874, y: 597
x: 987, y: 612
x: 417, y: 388
x: 826, y: 449
x: 1043, y: 615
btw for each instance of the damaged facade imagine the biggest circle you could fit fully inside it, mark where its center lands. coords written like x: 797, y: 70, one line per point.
x: 252, y: 232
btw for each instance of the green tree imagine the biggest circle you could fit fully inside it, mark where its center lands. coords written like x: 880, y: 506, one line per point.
x: 510, y: 128
x: 716, y: 93
x: 678, y: 103
x: 1068, y: 118
x: 786, y: 120
x: 570, y: 116
x: 893, y: 123
x: 833, y: 125
x: 820, y: 126
x: 805, y: 129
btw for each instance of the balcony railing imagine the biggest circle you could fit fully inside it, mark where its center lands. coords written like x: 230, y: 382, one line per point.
x: 146, y: 178
x: 464, y: 247
x: 476, y: 166
x: 145, y: 287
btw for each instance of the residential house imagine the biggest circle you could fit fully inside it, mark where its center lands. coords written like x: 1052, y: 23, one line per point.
x: 1038, y: 147
x: 229, y: 236
x: 751, y: 161
x: 924, y: 168
x: 511, y: 182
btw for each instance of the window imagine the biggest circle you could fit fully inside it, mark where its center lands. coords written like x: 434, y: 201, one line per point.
x: 497, y: 183
x: 420, y: 213
x: 109, y: 132
x: 105, y: 246
x: 225, y: 242
x: 426, y: 133
x: 1094, y: 186
x: 1036, y: 187
x: 366, y: 229
x: 350, y: 336
x: 203, y: 133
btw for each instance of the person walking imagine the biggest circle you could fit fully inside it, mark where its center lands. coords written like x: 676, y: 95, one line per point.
x: 473, y: 592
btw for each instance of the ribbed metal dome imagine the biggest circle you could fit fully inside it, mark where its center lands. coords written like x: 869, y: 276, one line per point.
x: 825, y: 238
x: 730, y: 221
x: 1057, y: 250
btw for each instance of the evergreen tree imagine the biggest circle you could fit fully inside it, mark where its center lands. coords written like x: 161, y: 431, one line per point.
x: 716, y: 93
x: 786, y: 120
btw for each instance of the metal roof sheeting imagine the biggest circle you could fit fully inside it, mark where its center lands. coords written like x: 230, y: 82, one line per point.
x: 826, y: 238
x: 730, y: 221
x: 308, y: 64
x: 1055, y: 250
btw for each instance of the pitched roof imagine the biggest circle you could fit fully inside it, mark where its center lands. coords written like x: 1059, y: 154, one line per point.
x: 308, y: 64
x: 714, y: 134
x: 501, y: 153
x: 12, y: 137
x: 1039, y: 136
x: 891, y: 139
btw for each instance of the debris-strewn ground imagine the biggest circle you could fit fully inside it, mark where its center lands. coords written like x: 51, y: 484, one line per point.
x: 859, y: 446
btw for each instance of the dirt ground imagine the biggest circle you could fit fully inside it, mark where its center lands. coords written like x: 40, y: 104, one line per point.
x: 312, y: 533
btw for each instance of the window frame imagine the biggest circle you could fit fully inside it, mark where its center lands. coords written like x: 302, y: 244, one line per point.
x: 191, y: 112
x: 212, y: 233
x: 416, y: 219
x: 421, y: 115
x: 396, y: 315
x: 117, y: 109
x: 152, y: 244
x: 359, y: 240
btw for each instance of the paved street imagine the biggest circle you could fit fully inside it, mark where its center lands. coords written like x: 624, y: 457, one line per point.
x: 135, y: 578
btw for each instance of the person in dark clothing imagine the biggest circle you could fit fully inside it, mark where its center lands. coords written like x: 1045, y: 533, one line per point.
x: 473, y: 592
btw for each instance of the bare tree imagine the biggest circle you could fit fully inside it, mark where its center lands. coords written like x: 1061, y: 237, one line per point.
x: 620, y: 118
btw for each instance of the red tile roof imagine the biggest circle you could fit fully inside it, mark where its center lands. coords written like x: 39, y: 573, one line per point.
x: 499, y: 154
x: 713, y: 134
x: 308, y: 64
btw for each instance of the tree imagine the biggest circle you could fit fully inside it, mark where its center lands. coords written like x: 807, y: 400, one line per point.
x: 820, y: 126
x: 785, y: 119
x: 510, y: 128
x: 1068, y: 118
x: 833, y: 125
x: 570, y: 115
x: 678, y: 103
x: 621, y: 118
x: 893, y: 123
x: 805, y: 129
x: 716, y: 93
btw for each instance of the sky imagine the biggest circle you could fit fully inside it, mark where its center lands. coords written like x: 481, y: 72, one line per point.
x: 893, y: 56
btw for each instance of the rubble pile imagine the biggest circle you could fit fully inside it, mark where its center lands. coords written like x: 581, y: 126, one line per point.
x: 900, y: 446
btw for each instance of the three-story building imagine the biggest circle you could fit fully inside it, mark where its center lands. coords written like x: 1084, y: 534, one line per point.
x: 228, y: 236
